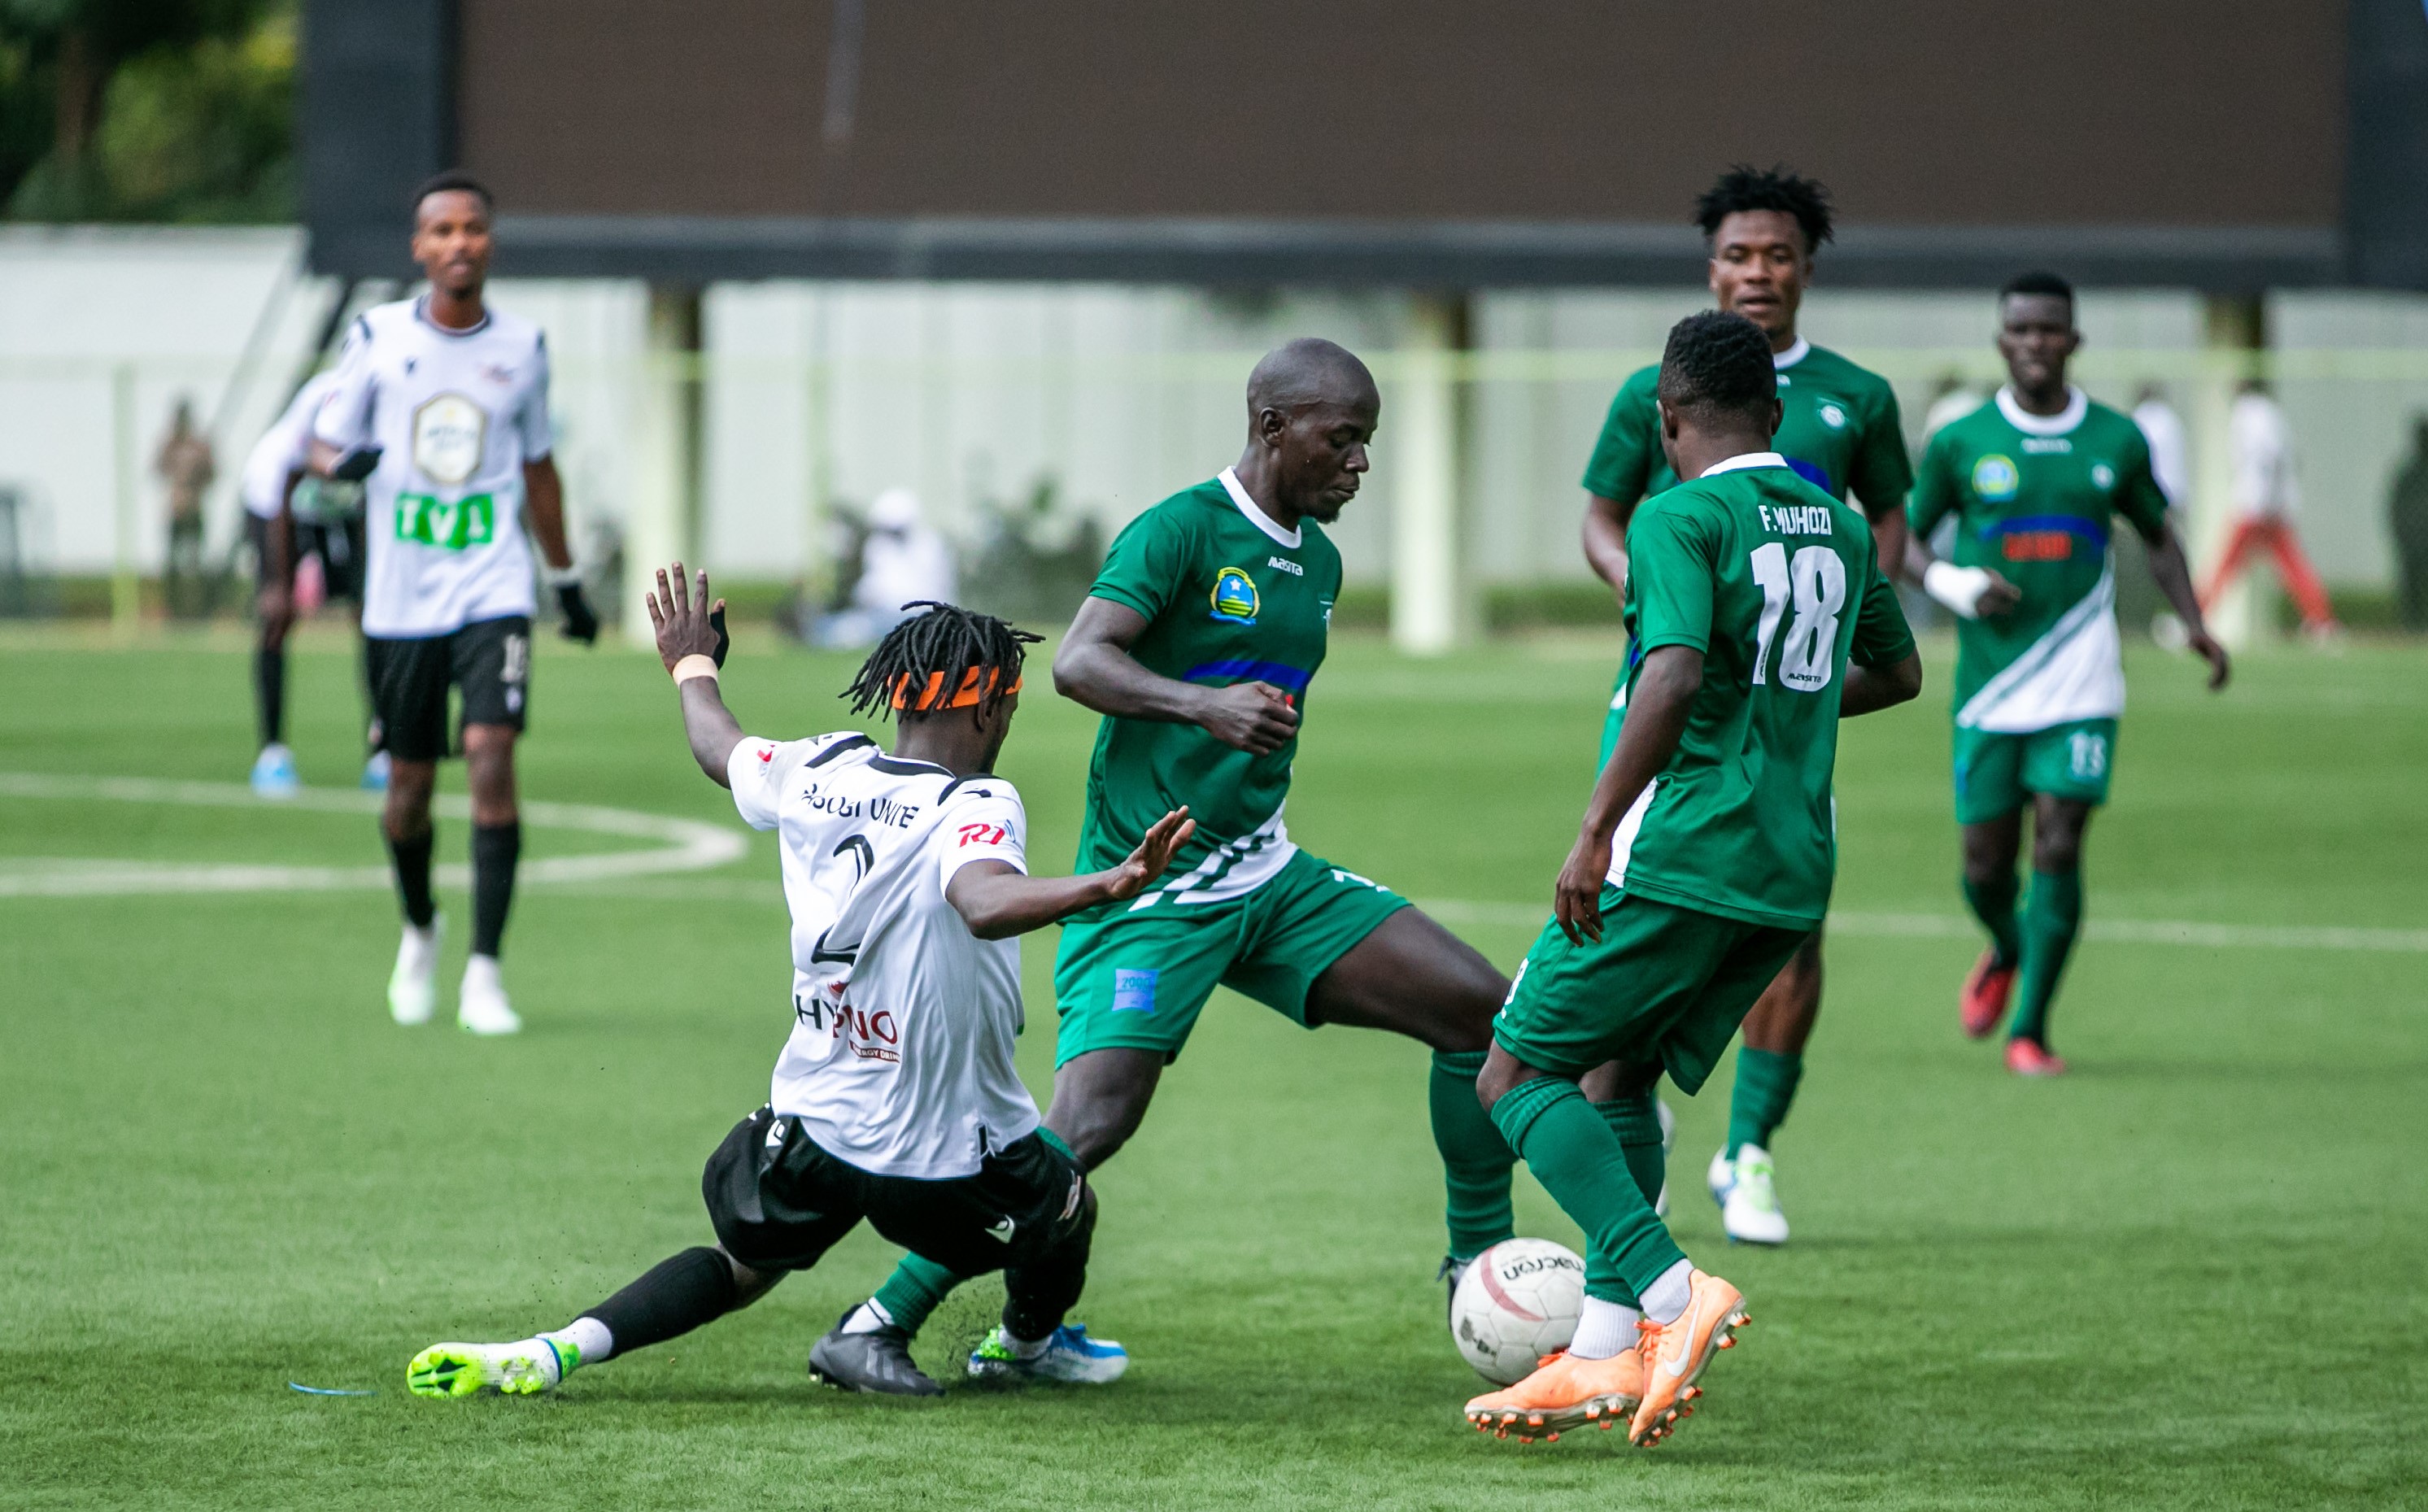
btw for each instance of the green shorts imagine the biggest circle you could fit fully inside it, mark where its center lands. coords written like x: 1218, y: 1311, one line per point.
x: 1664, y: 983
x: 1995, y: 771
x: 1138, y: 978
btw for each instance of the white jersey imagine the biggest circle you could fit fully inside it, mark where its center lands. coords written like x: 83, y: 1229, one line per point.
x: 900, y: 1061
x: 456, y: 415
x: 2260, y: 441
x: 282, y: 452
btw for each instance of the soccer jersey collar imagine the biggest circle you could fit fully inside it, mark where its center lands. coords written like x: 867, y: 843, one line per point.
x: 1743, y: 460
x: 1256, y: 517
x: 422, y: 313
x: 2077, y: 404
x: 1788, y: 359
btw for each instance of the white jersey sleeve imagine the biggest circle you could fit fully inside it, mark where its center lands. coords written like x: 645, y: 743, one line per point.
x: 759, y: 769
x: 345, y: 416
x: 538, y: 434
x: 982, y: 823
x: 282, y: 452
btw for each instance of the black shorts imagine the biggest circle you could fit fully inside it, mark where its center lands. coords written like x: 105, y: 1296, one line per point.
x: 338, y: 544
x: 779, y: 1202
x: 488, y: 659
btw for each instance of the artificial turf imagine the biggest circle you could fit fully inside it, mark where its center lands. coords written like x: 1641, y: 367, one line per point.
x: 2188, y: 1274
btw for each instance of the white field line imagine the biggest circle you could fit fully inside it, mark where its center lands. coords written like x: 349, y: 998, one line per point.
x: 683, y: 844
x: 689, y: 845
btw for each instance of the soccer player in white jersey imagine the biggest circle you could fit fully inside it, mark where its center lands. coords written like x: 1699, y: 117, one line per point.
x: 440, y: 405
x: 894, y: 1099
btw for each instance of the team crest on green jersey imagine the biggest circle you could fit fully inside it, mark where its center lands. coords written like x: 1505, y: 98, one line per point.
x: 2103, y: 477
x: 1833, y: 416
x: 1235, y: 597
x: 1995, y: 478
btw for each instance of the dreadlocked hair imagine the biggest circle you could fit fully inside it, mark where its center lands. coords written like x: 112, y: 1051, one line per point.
x: 940, y: 648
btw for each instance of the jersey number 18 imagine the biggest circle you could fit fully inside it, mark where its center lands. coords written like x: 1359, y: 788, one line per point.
x: 1815, y: 583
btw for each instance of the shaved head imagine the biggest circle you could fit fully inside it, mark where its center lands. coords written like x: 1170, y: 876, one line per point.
x: 1309, y: 370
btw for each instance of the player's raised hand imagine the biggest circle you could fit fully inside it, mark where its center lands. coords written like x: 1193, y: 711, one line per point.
x: 2219, y: 666
x: 1163, y: 841
x: 1257, y: 717
x: 1576, y: 899
x: 685, y: 626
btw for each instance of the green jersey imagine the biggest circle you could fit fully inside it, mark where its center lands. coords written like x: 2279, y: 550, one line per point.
x: 1229, y: 597
x: 2034, y: 498
x: 1778, y: 585
x: 1838, y: 427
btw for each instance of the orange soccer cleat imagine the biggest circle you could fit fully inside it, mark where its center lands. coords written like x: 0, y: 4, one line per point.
x: 1563, y: 1392
x: 1983, y: 1000
x: 2029, y: 1057
x: 1676, y: 1354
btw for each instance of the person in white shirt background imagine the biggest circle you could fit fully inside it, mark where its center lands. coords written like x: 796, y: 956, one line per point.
x: 903, y: 561
x: 439, y: 405
x: 2163, y: 429
x: 2266, y: 496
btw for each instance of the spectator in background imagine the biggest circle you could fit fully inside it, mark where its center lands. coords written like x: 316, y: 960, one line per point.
x: 2163, y: 429
x: 903, y: 560
x: 185, y: 464
x: 2407, y: 511
x: 2264, y: 497
x: 1952, y: 400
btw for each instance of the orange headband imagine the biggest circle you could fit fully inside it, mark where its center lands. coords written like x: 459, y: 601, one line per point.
x: 974, y: 689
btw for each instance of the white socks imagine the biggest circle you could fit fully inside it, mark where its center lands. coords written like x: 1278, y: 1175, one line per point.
x: 1024, y: 1348
x: 583, y: 1341
x: 867, y: 1318
x: 1664, y: 1301
x: 1603, y: 1329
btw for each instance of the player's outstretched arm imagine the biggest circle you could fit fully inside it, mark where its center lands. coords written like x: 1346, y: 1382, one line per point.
x: 997, y: 900
x: 1657, y: 703
x: 1093, y: 668
x: 2174, y: 578
x: 691, y: 643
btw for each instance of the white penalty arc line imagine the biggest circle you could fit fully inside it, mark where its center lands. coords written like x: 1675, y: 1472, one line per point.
x: 1948, y: 926
x: 683, y: 844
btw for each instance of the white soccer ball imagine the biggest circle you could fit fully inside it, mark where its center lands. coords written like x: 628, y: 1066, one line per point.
x: 1517, y: 1302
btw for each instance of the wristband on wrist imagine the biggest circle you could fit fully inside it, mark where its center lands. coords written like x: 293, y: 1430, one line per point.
x: 1958, y: 587
x: 694, y: 665
x: 564, y: 577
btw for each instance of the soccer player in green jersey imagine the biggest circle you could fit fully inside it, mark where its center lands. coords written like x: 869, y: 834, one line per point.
x: 1197, y: 644
x: 1759, y: 615
x: 1839, y: 430
x: 2034, y: 480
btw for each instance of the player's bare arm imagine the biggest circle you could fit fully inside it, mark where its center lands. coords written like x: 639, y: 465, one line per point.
x: 1870, y: 689
x: 2174, y: 575
x: 1605, y: 541
x: 998, y: 901
x: 544, y: 512
x: 1656, y: 721
x: 1094, y: 668
x: 691, y: 626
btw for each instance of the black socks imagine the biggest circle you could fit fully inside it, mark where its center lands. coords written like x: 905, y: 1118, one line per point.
x: 270, y: 692
x: 677, y: 1294
x: 495, y: 849
x: 412, y: 858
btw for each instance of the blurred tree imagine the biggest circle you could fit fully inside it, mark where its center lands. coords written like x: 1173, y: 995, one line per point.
x: 146, y: 110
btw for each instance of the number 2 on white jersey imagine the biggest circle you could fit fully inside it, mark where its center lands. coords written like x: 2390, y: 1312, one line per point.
x: 1815, y: 585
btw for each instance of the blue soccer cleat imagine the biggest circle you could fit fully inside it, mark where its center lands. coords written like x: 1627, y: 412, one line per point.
x: 1068, y: 1357
x: 375, y: 773
x: 273, y: 773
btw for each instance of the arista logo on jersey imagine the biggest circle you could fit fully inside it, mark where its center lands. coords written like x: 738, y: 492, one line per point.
x: 1234, y: 596
x: 869, y: 1036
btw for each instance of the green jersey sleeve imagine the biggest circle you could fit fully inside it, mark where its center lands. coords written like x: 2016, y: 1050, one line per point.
x: 1672, y: 565
x: 1628, y: 451
x: 1883, y: 473
x: 1935, y: 494
x: 2139, y: 499
x: 1883, y: 638
x: 1147, y: 562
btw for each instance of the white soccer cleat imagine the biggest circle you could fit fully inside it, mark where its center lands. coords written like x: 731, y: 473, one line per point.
x: 413, y: 987
x: 481, y: 1008
x: 1669, y: 1141
x: 523, y: 1368
x: 1720, y: 1176
x: 1751, y: 1212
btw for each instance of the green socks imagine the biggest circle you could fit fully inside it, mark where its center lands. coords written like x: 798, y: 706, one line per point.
x: 1636, y: 1121
x: 913, y: 1291
x: 1994, y: 904
x: 1476, y: 1160
x: 1574, y: 1153
x: 1765, y: 1086
x: 2052, y: 917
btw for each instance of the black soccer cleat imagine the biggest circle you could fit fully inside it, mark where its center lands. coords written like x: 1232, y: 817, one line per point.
x: 877, y: 1360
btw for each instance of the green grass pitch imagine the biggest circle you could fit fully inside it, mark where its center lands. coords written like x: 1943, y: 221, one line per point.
x: 2189, y: 1274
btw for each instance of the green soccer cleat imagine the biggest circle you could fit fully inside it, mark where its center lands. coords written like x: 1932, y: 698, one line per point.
x: 1070, y: 1357
x: 522, y: 1369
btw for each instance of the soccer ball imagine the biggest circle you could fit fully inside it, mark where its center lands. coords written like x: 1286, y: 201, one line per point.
x: 1517, y: 1302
